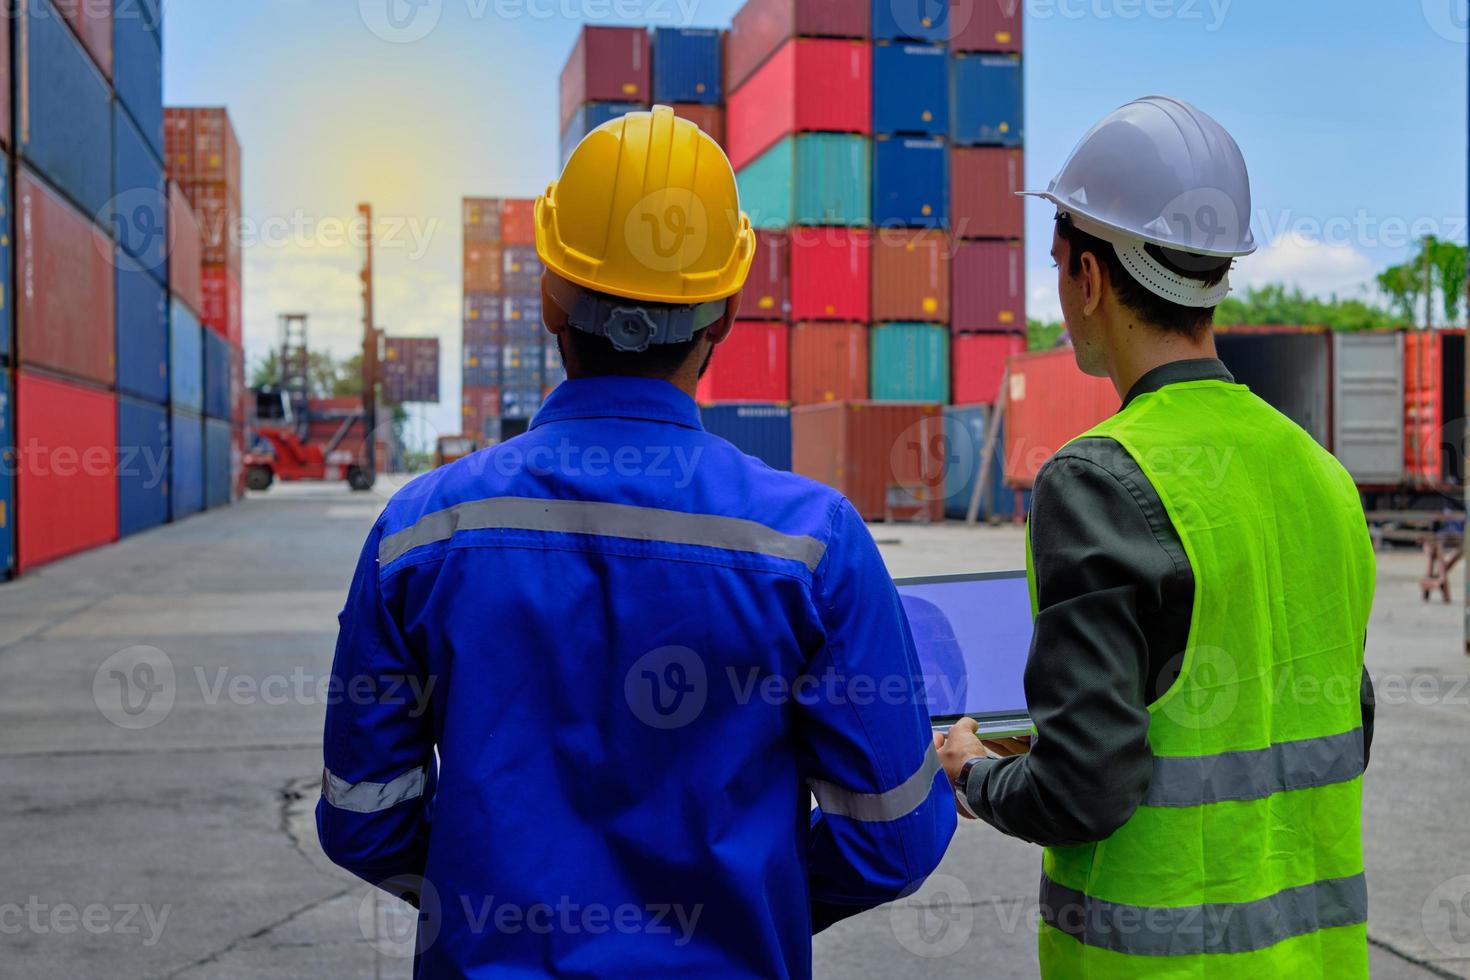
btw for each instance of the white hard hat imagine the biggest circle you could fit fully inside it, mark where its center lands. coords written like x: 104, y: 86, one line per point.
x: 1159, y: 171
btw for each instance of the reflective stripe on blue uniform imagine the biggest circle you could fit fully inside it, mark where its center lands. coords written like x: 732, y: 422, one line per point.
x: 636, y: 651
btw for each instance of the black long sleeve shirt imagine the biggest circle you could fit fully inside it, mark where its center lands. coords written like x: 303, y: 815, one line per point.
x: 1114, y: 593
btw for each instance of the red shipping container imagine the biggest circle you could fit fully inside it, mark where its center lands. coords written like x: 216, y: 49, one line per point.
x: 222, y: 311
x: 608, y: 64
x: 980, y: 363
x: 760, y: 27
x: 829, y: 362
x: 767, y: 291
x: 201, y: 146
x: 1049, y: 402
x: 752, y: 365
x: 482, y: 269
x: 186, y: 251
x: 66, y: 283
x: 518, y: 221
x: 983, y: 185
x: 217, y: 212
x: 807, y: 86
x: 92, y: 22
x: 888, y: 458
x: 1434, y: 405
x: 986, y: 25
x: 710, y: 118
x: 480, y: 402
x: 910, y: 275
x: 831, y: 273
x: 66, y: 468
x: 989, y: 287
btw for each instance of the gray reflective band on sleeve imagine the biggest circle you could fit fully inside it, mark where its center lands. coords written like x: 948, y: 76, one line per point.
x: 371, y: 797
x: 1257, y: 773
x: 608, y: 520
x: 879, y: 807
x: 1194, y: 930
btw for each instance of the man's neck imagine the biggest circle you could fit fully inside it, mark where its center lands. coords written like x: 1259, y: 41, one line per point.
x: 1148, y: 347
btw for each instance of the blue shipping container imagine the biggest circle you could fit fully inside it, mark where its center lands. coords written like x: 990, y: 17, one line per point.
x: 216, y: 463
x: 481, y: 335
x: 920, y: 20
x: 482, y: 308
x: 555, y: 372
x: 985, y: 100
x: 138, y: 216
x: 6, y: 318
x: 588, y: 117
x: 142, y: 333
x: 218, y: 361
x: 910, y: 182
x: 185, y: 358
x: 66, y: 130
x: 137, y: 65
x: 759, y: 429
x: 964, y: 428
x: 7, y: 481
x: 186, y: 452
x: 520, y: 402
x: 482, y: 363
x: 686, y: 65
x: 520, y: 269
x: 142, y: 465
x: 910, y: 89
x: 520, y: 310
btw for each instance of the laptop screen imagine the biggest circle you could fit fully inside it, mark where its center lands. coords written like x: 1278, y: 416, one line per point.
x: 973, y: 633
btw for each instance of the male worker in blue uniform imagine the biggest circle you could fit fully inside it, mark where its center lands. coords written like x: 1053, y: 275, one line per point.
x: 643, y: 647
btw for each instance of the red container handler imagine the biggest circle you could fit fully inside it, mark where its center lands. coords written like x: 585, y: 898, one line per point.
x: 989, y: 291
x: 986, y: 25
x: 1049, y: 402
x: 752, y: 365
x: 761, y: 26
x: 911, y: 275
x: 831, y: 274
x: 887, y: 458
x: 608, y: 64
x: 186, y: 251
x: 980, y: 363
x: 91, y: 20
x: 66, y: 468
x: 518, y: 221
x: 67, y: 285
x: 222, y: 310
x: 829, y: 362
x: 983, y: 185
x: 767, y: 292
x: 808, y: 85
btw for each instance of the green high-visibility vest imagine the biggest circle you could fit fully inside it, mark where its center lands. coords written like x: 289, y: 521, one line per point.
x: 1245, y: 858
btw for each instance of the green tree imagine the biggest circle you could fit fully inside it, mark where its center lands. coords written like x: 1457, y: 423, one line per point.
x: 1437, y: 266
x: 1043, y: 336
x: 1276, y: 304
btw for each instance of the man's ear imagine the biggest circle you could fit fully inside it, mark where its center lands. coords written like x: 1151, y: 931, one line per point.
x: 1092, y: 283
x: 552, y: 317
x: 717, y: 332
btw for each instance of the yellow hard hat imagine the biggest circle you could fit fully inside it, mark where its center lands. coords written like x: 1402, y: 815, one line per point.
x: 647, y: 209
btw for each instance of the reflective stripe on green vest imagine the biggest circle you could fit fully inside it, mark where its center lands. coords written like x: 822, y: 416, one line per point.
x: 1245, y: 858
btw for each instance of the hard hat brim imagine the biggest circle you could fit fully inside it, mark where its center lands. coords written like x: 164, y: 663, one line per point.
x: 1113, y: 233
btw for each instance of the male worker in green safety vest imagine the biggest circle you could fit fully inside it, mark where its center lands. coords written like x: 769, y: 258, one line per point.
x: 1201, y: 577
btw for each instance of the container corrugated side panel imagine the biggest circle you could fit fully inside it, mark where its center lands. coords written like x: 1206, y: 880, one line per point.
x: 709, y: 118
x: 7, y: 291
x: 753, y: 364
x: 186, y: 251
x: 985, y: 99
x: 831, y: 274
x: 910, y: 89
x: 137, y: 39
x: 1049, y: 402
x: 142, y: 334
x: 762, y: 430
x: 989, y: 286
x: 218, y: 366
x: 980, y: 363
x: 863, y: 449
x: 761, y: 112
x: 833, y: 180
x: 7, y: 479
x: 92, y: 22
x: 142, y: 465
x: 809, y: 85
x: 1290, y: 370
x: 767, y: 291
x: 520, y: 269
x: 64, y: 507
x: 216, y: 463
x: 608, y: 64
x: 911, y: 275
x: 765, y: 186
x: 910, y: 182
x: 686, y: 65
x: 966, y: 426
x: 138, y: 216
x: 7, y: 84
x: 186, y: 359
x: 919, y: 20
x: 983, y: 185
x: 1368, y: 405
x: 66, y: 313
x: 186, y: 472
x: 829, y: 362
x: 63, y: 108
x: 910, y: 362
x: 761, y: 26
x: 518, y: 221
x: 992, y: 25
x: 481, y: 219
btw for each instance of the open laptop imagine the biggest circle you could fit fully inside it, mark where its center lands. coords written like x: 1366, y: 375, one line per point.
x: 973, y: 633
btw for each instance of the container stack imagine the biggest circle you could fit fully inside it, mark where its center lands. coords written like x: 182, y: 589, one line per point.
x: 208, y: 416
x: 608, y: 75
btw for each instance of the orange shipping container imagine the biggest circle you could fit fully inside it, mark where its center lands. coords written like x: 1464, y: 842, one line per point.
x: 910, y: 275
x: 980, y: 363
x: 518, y: 221
x: 888, y: 458
x: 186, y: 255
x: 481, y: 268
x: 201, y: 146
x: 1049, y: 403
x: 710, y: 118
x: 829, y: 362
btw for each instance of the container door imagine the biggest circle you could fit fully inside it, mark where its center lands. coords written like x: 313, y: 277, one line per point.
x: 1368, y: 406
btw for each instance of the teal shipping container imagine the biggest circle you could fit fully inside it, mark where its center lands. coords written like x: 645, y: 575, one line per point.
x: 186, y: 475
x: 216, y: 463
x: 910, y: 362
x: 810, y: 179
x: 186, y: 358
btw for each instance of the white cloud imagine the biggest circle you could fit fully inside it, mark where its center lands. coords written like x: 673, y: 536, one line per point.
x: 1316, y: 268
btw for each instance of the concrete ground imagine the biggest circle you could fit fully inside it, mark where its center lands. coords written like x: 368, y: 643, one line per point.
x: 159, y: 753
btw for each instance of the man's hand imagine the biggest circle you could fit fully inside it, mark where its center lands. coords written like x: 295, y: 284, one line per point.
x: 959, y: 746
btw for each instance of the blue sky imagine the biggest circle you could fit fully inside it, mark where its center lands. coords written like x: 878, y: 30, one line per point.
x: 1351, y: 115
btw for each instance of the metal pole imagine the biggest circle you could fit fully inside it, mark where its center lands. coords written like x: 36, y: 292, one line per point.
x: 980, y: 496
x: 369, y: 352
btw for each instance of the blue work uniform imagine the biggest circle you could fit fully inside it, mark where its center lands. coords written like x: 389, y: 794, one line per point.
x: 637, y: 650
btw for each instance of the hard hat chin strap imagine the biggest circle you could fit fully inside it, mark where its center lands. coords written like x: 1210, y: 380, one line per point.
x: 628, y: 325
x: 1163, y: 281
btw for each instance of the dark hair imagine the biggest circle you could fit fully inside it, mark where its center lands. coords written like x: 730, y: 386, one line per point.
x: 1151, y: 307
